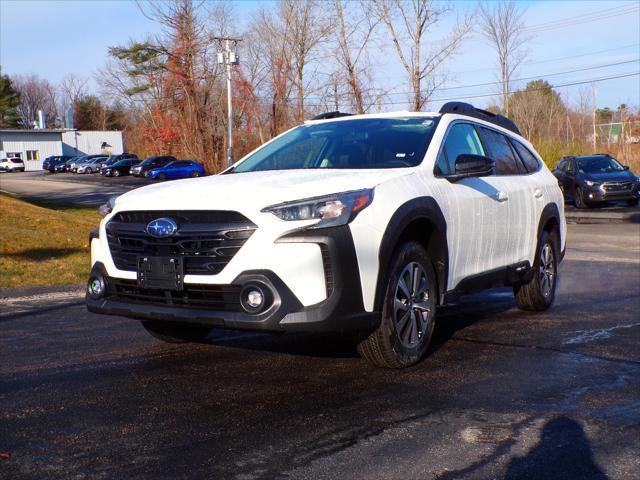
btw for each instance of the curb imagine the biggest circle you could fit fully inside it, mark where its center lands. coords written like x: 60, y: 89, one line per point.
x: 13, y: 292
x: 586, y: 217
x: 102, y: 183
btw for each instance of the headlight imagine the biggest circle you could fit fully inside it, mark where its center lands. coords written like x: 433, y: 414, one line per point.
x: 331, y: 210
x: 107, y: 208
x: 589, y: 183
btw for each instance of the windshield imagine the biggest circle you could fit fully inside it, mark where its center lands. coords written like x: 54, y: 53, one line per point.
x: 150, y: 161
x: 598, y: 165
x: 346, y: 144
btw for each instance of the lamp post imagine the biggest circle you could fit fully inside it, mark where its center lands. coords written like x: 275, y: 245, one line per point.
x: 228, y: 58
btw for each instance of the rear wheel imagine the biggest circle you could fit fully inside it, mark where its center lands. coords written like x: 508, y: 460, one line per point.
x: 633, y: 202
x: 408, y: 313
x: 175, y: 332
x: 195, y: 174
x: 539, y: 293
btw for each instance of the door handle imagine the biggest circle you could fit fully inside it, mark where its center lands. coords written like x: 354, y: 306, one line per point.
x: 501, y: 196
x: 537, y: 193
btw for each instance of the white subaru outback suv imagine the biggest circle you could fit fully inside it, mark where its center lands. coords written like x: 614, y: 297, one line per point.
x: 360, y: 224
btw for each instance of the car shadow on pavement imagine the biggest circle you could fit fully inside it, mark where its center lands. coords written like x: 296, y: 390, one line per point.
x: 449, y: 320
x: 34, y: 254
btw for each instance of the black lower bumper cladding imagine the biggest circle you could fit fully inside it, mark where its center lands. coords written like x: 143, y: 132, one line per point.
x: 219, y: 306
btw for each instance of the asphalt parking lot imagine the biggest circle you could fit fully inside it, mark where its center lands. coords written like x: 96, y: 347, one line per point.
x: 501, y: 394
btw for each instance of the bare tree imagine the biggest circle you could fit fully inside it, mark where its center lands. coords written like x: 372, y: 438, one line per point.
x: 408, y: 23
x: 353, y: 30
x: 503, y: 25
x: 36, y: 94
x: 72, y: 88
x: 307, y: 30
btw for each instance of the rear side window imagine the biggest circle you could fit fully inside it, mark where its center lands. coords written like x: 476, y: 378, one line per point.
x: 529, y: 160
x: 501, y: 152
x: 461, y: 138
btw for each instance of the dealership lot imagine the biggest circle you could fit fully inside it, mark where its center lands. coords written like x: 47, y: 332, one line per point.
x: 501, y: 394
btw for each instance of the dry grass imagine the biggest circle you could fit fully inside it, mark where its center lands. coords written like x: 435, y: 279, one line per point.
x: 43, y: 245
x: 552, y: 151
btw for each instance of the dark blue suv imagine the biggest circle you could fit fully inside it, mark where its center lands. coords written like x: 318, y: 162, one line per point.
x: 596, y: 178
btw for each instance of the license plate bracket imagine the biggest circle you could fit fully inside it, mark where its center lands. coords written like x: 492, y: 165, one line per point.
x: 165, y: 273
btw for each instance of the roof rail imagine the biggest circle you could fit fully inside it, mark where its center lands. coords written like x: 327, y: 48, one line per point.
x: 469, y: 110
x: 328, y: 115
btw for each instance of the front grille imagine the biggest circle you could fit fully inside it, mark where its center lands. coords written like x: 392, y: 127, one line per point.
x: 207, y: 240
x: 211, y: 297
x: 617, y: 186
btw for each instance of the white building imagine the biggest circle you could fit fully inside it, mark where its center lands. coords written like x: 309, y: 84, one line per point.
x: 33, y: 146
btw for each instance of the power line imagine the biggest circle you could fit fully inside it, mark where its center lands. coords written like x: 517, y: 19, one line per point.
x: 550, y: 60
x: 534, y: 77
x: 581, y: 19
x: 486, y: 95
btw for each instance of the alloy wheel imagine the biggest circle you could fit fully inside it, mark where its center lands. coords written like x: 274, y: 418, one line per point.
x: 412, y: 306
x: 547, y: 271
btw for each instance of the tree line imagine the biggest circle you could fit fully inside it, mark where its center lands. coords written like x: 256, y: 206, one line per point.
x: 298, y: 58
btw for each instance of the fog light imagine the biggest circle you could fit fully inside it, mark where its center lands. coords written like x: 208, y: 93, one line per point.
x: 254, y: 298
x: 96, y: 287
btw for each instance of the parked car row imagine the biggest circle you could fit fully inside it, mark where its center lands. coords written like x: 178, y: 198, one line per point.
x: 157, y: 167
x: 591, y: 179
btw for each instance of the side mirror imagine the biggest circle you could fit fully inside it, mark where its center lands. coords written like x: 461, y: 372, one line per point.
x: 468, y: 165
x: 626, y: 167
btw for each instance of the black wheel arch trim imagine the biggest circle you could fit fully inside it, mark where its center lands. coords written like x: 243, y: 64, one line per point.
x: 417, y: 209
x: 551, y: 212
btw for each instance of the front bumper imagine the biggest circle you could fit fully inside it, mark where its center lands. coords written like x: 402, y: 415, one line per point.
x: 341, y: 311
x: 597, y: 194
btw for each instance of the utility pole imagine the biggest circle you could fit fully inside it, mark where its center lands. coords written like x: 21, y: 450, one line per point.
x: 595, y: 138
x: 228, y: 58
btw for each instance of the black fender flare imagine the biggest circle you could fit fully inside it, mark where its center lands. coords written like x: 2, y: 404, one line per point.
x: 420, y: 208
x: 549, y: 212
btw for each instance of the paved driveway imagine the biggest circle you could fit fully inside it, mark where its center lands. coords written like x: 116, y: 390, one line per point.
x: 502, y: 393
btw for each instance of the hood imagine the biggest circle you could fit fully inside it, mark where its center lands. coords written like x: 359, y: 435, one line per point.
x: 251, y: 192
x: 609, y: 177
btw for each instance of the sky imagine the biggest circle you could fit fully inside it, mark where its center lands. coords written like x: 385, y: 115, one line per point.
x: 53, y: 38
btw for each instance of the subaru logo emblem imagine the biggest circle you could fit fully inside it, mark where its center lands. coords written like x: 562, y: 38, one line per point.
x: 162, y: 227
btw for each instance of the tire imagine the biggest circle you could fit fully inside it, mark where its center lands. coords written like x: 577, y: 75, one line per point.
x: 539, y: 293
x: 578, y: 199
x: 407, y: 321
x: 195, y: 174
x: 116, y: 173
x: 633, y: 202
x: 161, y: 176
x: 89, y: 171
x: 175, y: 332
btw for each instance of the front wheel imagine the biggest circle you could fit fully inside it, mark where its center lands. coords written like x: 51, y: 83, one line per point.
x: 161, y: 176
x: 176, y: 332
x: 539, y: 293
x: 408, y: 311
x: 89, y: 171
x: 578, y: 198
x: 116, y: 173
